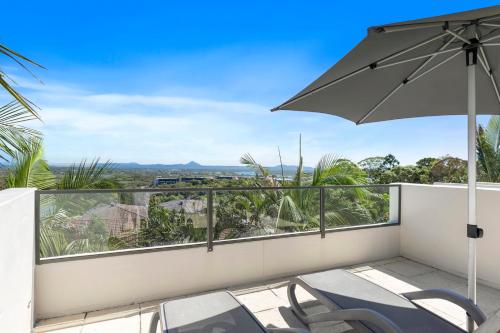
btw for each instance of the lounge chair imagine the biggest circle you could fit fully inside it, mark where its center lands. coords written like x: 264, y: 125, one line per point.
x: 210, y: 313
x: 369, y: 308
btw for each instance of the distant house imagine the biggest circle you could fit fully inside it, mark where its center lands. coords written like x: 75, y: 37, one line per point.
x: 165, y: 181
x: 117, y: 218
x: 226, y: 177
x: 171, y: 181
x: 195, y: 211
x: 190, y: 206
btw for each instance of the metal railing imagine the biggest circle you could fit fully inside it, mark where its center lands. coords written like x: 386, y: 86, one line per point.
x: 79, y: 224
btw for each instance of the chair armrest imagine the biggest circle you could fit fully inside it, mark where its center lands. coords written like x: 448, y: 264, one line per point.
x: 492, y: 324
x: 366, y: 315
x: 472, y: 309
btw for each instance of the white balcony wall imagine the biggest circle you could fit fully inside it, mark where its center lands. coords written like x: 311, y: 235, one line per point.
x: 81, y: 285
x: 433, y: 229
x: 16, y: 259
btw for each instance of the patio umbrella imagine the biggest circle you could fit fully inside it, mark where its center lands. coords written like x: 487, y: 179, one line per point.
x: 444, y: 65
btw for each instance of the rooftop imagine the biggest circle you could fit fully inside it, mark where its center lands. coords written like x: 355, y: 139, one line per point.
x: 268, y: 301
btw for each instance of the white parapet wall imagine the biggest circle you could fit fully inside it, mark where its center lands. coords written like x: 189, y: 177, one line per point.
x: 433, y: 228
x: 16, y: 259
x: 90, y: 284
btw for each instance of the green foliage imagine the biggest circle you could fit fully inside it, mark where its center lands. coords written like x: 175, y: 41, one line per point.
x: 166, y: 227
x: 488, y: 150
x: 86, y: 176
x: 11, y: 132
x: 386, y: 170
x: 29, y: 169
x: 4, y: 83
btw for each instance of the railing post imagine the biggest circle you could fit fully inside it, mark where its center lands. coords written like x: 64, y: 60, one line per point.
x: 399, y: 203
x: 210, y: 221
x: 322, y: 211
x: 37, y: 227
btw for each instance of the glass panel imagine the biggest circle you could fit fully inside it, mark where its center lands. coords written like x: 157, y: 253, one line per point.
x: 248, y: 213
x: 77, y: 223
x: 354, y: 206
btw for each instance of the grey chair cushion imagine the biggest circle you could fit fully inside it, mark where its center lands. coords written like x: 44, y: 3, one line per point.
x: 348, y: 291
x: 217, y: 312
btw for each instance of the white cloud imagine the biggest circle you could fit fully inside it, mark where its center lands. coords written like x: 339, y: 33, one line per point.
x: 160, y: 129
x: 79, y: 123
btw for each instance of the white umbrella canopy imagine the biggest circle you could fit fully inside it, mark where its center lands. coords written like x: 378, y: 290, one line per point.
x: 443, y: 65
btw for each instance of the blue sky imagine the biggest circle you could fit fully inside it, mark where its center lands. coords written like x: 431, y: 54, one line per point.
x: 175, y: 81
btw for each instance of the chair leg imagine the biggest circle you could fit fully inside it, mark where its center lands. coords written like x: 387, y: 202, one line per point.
x: 154, y: 322
x: 296, y: 308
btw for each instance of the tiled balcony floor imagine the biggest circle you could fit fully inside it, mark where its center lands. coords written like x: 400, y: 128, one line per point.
x: 268, y: 301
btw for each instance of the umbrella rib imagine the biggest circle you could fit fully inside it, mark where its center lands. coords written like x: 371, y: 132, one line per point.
x: 454, y: 34
x: 485, y: 40
x: 360, y: 70
x: 420, y: 57
x: 495, y: 25
x: 409, y: 49
x: 487, y: 68
x: 408, y: 78
x: 405, y: 82
x: 489, y: 18
x: 417, y: 25
x: 436, y: 66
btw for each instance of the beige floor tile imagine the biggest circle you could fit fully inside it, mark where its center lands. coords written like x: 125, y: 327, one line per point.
x: 130, y: 324
x: 260, y: 300
x: 272, y: 318
x: 408, y: 268
x: 74, y: 329
x: 52, y: 324
x: 277, y: 283
x: 331, y: 327
x: 385, y: 261
x: 112, y: 313
x: 357, y: 269
x: 440, y: 279
x: 447, y: 310
x: 123, y: 319
x: 302, y: 295
x: 247, y: 289
x: 392, y: 281
x: 488, y: 299
x: 147, y: 310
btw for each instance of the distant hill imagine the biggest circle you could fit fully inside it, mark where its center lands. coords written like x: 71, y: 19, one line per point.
x: 194, y: 166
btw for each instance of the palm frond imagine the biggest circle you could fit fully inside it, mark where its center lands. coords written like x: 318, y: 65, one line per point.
x: 289, y: 213
x: 249, y: 161
x: 86, y: 245
x: 84, y: 175
x: 11, y: 133
x: 52, y: 242
x: 20, y: 60
x: 488, y: 152
x: 29, y: 169
x: 18, y: 97
x: 493, y: 132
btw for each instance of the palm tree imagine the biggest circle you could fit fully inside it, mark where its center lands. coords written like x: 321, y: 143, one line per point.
x: 87, y: 175
x: 488, y: 150
x: 4, y: 78
x: 29, y: 168
x: 11, y: 132
x: 54, y: 238
x: 299, y: 208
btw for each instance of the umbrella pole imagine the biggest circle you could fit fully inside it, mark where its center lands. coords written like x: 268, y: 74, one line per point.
x: 471, y: 176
